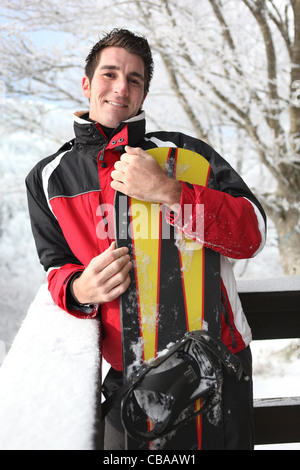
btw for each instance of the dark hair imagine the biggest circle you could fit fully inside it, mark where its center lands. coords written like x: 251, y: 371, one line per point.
x: 131, y: 42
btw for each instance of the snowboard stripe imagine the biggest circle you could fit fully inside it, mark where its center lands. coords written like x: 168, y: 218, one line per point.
x: 146, y: 264
x: 192, y: 254
x: 192, y: 262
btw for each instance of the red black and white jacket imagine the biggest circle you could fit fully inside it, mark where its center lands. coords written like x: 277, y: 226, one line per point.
x: 65, y: 191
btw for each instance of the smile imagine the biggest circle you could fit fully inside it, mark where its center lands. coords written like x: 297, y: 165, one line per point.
x: 117, y: 104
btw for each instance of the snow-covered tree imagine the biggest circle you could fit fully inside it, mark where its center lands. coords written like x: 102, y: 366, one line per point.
x: 237, y: 63
x: 228, y: 72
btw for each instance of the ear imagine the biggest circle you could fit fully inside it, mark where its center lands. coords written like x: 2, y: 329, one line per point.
x: 86, y: 87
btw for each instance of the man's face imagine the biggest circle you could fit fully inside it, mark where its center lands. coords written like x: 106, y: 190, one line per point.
x: 116, y: 92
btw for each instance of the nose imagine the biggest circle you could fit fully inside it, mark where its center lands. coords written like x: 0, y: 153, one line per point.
x: 121, y: 86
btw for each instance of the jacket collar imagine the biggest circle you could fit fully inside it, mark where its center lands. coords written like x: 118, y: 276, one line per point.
x: 128, y: 132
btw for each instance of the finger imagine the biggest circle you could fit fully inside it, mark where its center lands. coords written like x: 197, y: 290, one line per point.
x: 118, y: 290
x: 118, y: 176
x: 118, y: 278
x: 121, y: 166
x: 112, y: 246
x: 126, y: 158
x: 114, y: 268
x: 116, y: 252
x: 103, y: 260
x: 119, y: 186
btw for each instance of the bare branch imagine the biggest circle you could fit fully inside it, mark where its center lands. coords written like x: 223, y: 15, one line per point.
x: 282, y: 24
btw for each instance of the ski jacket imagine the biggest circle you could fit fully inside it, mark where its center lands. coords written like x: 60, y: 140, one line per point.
x: 69, y: 190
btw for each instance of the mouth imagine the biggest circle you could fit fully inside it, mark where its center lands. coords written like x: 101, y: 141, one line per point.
x: 118, y: 105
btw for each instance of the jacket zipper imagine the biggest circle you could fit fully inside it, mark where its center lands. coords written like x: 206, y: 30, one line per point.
x: 101, y: 153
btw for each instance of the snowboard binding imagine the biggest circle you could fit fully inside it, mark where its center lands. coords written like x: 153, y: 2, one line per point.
x: 167, y: 388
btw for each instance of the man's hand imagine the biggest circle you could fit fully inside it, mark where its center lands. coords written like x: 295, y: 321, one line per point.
x: 105, y: 278
x: 137, y: 174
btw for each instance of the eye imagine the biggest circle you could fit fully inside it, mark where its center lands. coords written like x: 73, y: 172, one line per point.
x: 134, y: 81
x: 109, y: 75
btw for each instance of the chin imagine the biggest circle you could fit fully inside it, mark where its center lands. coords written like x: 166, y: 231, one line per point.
x: 114, y: 122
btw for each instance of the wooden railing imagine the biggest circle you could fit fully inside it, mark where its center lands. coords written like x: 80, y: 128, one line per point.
x: 275, y: 314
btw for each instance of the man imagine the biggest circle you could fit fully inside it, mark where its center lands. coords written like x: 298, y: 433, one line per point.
x: 69, y: 191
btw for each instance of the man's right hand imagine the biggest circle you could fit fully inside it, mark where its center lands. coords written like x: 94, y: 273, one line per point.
x: 105, y: 278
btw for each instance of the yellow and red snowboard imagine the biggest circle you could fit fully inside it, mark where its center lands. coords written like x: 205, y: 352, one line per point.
x: 175, y: 288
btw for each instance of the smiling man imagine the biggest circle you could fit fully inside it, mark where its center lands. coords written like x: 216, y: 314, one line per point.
x: 116, y: 89
x: 69, y: 191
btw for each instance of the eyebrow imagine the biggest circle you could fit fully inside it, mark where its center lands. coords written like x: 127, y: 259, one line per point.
x: 115, y: 67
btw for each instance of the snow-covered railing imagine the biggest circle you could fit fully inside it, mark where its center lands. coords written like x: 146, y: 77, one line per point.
x: 272, y: 308
x: 49, y: 380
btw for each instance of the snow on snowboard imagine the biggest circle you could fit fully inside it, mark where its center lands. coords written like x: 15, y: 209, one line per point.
x: 170, y: 318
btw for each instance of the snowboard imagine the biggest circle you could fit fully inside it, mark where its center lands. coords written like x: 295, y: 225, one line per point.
x: 175, y: 288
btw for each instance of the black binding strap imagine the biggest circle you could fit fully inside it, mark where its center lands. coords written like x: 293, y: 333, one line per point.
x: 167, y: 383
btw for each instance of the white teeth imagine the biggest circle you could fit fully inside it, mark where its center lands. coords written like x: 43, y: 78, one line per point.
x: 117, y: 104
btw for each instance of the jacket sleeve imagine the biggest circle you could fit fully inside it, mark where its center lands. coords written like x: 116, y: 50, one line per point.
x: 54, y: 253
x: 225, y: 216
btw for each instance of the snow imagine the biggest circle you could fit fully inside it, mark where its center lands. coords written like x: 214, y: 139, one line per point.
x: 276, y: 368
x: 48, y: 381
x: 278, y: 284
x: 276, y: 375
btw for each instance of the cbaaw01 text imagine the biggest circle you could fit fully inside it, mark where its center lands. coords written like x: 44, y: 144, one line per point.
x: 151, y: 459
x: 165, y: 459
